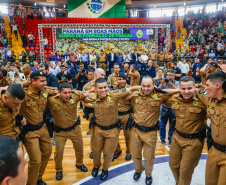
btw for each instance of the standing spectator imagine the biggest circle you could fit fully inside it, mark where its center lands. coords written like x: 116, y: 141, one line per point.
x: 184, y: 68
x: 51, y: 79
x: 66, y: 55
x: 126, y: 58
x: 36, y: 66
x: 57, y: 68
x: 93, y: 58
x: 152, y: 70
x: 111, y: 59
x: 51, y: 69
x: 11, y: 25
x: 177, y: 70
x: 8, y: 52
x: 12, y: 57
x: 85, y: 59
x: 134, y: 76
x: 11, y: 72
x: 196, y: 64
x: 196, y: 75
x: 136, y: 57
x: 63, y: 76
x: 73, y: 59
x: 58, y: 58
x: 102, y: 60
x: 30, y: 55
x: 24, y: 57
x: 18, y: 76
x: 178, y: 32
x: 24, y: 40
x: 120, y: 59
x: 143, y: 61
x: 45, y: 43
x: 31, y: 39
x: 52, y: 58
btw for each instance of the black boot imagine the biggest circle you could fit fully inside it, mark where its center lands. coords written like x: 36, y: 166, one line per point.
x: 104, y: 175
x: 82, y: 168
x: 137, y: 176
x: 148, y: 180
x: 128, y: 157
x: 59, y: 175
x: 117, y: 155
x: 95, y: 171
x: 40, y: 182
x: 91, y: 155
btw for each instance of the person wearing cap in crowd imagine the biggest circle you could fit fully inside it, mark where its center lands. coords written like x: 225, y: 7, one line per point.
x: 124, y: 111
x: 106, y: 124
x: 37, y: 141
x: 102, y: 59
x: 66, y: 126
x: 91, y: 66
x: 134, y: 76
x: 206, y: 70
x: 112, y: 77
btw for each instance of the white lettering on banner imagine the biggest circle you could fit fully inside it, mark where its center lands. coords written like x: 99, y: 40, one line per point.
x: 92, y: 31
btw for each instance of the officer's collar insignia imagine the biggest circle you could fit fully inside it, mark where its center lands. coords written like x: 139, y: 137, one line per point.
x: 45, y: 95
x: 195, y: 103
x: 176, y: 102
x: 31, y: 100
x: 210, y: 106
x: 56, y: 105
x: 155, y: 96
x: 108, y: 98
x: 123, y: 89
x: 71, y: 101
x: 203, y: 91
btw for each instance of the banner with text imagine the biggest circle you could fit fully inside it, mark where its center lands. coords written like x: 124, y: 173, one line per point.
x: 105, y: 38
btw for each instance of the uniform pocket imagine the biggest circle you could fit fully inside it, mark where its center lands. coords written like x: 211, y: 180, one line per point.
x: 194, y: 113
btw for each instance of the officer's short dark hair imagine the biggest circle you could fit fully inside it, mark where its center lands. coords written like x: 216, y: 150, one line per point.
x: 91, y: 71
x: 9, y: 160
x: 64, y: 85
x: 16, y: 91
x: 100, y: 80
x: 216, y: 77
x: 172, y: 71
x: 115, y: 65
x: 187, y: 79
x: 4, y: 72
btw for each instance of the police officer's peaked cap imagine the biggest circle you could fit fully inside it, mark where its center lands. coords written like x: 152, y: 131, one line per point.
x: 214, y: 64
x: 37, y: 73
x: 121, y: 75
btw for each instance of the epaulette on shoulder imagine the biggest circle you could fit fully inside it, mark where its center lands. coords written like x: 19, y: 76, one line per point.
x: 203, y: 91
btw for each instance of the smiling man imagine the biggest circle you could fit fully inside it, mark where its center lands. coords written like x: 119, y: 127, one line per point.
x: 66, y: 123
x: 106, y: 125
x: 188, y: 140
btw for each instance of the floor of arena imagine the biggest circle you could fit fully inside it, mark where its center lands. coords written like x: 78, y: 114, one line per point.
x: 121, y: 171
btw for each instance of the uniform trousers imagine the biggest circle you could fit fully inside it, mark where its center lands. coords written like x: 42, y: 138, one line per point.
x: 91, y: 135
x: 169, y: 65
x: 124, y: 119
x: 146, y: 141
x: 184, y: 157
x: 103, y: 66
x: 216, y: 167
x: 75, y: 135
x: 38, y: 147
x: 106, y: 141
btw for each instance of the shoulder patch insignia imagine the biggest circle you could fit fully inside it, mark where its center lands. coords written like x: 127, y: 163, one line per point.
x: 45, y: 95
x: 210, y: 106
x: 155, y: 96
x: 176, y: 102
x: 109, y: 79
x: 195, y: 103
x: 203, y: 91
x: 108, y: 98
x: 123, y: 89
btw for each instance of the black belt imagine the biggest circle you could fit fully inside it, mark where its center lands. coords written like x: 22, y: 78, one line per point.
x: 146, y: 129
x: 58, y: 128
x: 101, y: 62
x: 124, y: 113
x: 219, y: 147
x: 200, y: 135
x: 29, y: 128
x: 106, y: 127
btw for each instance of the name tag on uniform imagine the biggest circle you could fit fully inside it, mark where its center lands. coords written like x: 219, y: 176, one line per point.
x: 140, y: 98
x: 56, y: 105
x: 210, y: 106
x: 176, y: 102
x: 31, y: 100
